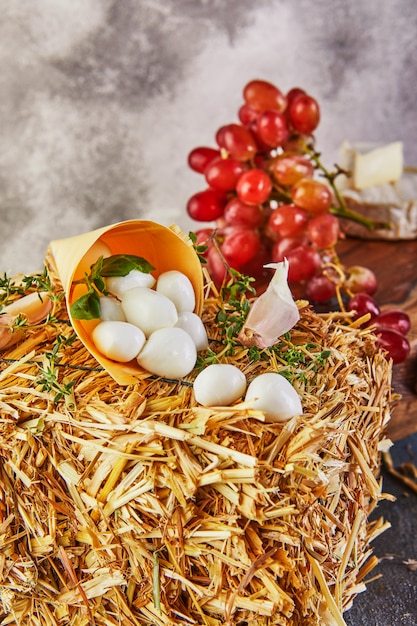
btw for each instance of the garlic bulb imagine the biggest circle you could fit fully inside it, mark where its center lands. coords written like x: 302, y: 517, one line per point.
x: 272, y: 314
x: 219, y: 384
x: 119, y: 341
x: 148, y: 309
x: 275, y: 396
x: 168, y: 352
x: 177, y: 287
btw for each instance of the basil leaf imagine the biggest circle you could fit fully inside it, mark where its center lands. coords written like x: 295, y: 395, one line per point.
x: 122, y: 264
x: 87, y: 307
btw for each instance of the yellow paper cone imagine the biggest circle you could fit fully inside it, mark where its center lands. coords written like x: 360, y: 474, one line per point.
x: 165, y: 248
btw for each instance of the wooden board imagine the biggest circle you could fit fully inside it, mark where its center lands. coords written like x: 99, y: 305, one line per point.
x: 395, y: 265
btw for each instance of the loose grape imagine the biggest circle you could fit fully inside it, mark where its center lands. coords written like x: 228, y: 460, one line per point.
x: 304, y: 114
x: 207, y: 205
x: 199, y: 158
x: 394, y: 319
x: 237, y: 213
x: 223, y: 174
x: 363, y: 303
x: 272, y: 128
x: 254, y: 186
x: 311, y: 195
x: 288, y: 220
x: 238, y: 141
x: 261, y: 95
x: 240, y: 247
x: 323, y: 230
x: 394, y: 343
x: 288, y: 169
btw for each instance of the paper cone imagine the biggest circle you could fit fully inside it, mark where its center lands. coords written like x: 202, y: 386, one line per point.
x: 165, y: 248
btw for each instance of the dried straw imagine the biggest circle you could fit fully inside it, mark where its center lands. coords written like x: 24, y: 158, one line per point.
x: 134, y: 506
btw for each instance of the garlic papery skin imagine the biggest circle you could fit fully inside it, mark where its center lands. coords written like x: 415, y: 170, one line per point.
x: 219, y: 384
x: 119, y: 341
x: 275, y: 396
x: 111, y: 309
x: 273, y: 313
x: 117, y: 285
x: 193, y: 325
x: 148, y: 309
x: 177, y: 287
x: 168, y: 352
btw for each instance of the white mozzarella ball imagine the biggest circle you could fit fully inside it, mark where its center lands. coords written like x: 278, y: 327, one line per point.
x: 148, y: 309
x: 111, y: 309
x: 193, y: 325
x: 168, y: 352
x: 219, y: 384
x: 177, y: 287
x: 275, y: 396
x: 118, y: 341
x: 117, y: 285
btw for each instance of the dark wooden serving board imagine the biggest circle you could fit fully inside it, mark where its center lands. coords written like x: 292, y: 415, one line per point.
x: 395, y: 265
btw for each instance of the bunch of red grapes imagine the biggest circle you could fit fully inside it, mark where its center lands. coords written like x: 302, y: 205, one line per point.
x: 267, y: 197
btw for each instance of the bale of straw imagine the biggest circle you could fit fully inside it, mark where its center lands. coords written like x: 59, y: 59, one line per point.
x: 134, y: 506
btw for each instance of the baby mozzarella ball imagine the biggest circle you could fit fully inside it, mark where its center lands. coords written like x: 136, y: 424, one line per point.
x: 219, y: 384
x: 118, y: 341
x: 117, y: 285
x: 168, y: 352
x: 148, y: 309
x: 193, y: 325
x: 275, y: 396
x: 177, y: 287
x: 111, y: 309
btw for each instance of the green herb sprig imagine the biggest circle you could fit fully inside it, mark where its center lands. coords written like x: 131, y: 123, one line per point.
x: 87, y: 306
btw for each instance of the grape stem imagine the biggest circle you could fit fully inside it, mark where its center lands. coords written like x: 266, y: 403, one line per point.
x: 341, y: 210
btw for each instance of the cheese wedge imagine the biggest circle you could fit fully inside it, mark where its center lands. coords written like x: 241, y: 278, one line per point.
x: 372, y: 165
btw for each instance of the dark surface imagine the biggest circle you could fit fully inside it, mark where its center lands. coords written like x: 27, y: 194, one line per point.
x: 391, y: 600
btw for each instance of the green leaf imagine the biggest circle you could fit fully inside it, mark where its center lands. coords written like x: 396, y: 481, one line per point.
x: 87, y: 307
x: 122, y: 264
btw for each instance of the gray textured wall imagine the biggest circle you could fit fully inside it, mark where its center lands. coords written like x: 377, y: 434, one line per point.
x: 101, y: 101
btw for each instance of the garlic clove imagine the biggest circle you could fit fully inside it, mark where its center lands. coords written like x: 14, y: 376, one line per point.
x: 275, y: 396
x: 168, y: 352
x: 177, y: 287
x: 219, y: 384
x: 272, y: 314
x: 35, y: 307
x: 119, y: 341
x: 193, y: 325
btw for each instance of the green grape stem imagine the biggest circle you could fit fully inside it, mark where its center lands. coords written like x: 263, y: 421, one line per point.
x: 341, y: 210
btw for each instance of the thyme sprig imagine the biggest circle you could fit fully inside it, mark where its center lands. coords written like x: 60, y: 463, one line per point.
x: 48, y: 374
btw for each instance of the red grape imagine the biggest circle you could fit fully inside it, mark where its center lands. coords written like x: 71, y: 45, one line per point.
x: 394, y: 319
x: 240, y: 247
x: 312, y: 195
x: 216, y: 267
x: 237, y: 213
x: 320, y: 288
x: 247, y: 115
x: 203, y: 238
x: 207, y: 205
x: 394, y: 343
x: 238, y: 141
x: 363, y: 303
x: 199, y: 158
x: 288, y: 169
x: 255, y: 267
x: 254, y: 186
x: 261, y: 95
x: 293, y: 94
x: 288, y: 220
x: 272, y: 128
x: 304, y: 114
x: 223, y: 174
x: 361, y: 279
x: 323, y: 230
x: 302, y: 259
x: 283, y: 247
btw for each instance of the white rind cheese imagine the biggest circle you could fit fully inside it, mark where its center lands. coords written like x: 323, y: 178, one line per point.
x: 371, y: 165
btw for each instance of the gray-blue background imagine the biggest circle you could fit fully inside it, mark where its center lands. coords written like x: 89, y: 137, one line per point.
x: 101, y: 100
